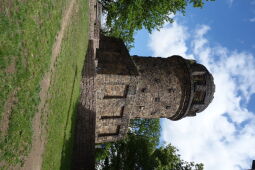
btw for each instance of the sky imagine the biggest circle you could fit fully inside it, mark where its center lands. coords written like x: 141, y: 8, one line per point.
x: 220, y: 36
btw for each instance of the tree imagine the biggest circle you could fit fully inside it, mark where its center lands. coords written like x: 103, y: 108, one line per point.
x: 140, y: 151
x: 148, y: 128
x: 165, y: 158
x: 137, y: 153
x: 145, y: 130
x: 125, y: 17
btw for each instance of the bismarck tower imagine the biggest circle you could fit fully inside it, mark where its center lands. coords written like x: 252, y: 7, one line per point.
x: 129, y: 87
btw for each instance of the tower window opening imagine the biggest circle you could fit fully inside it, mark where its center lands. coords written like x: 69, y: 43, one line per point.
x: 143, y: 90
x: 157, y: 80
x: 157, y: 99
x: 170, y: 90
x: 141, y: 107
x: 168, y: 107
x: 199, y: 79
x: 199, y: 97
x: 199, y: 87
x: 154, y: 112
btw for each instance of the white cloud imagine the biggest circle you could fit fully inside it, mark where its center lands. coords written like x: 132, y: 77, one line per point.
x: 170, y: 39
x: 252, y: 19
x: 230, y: 2
x: 223, y: 136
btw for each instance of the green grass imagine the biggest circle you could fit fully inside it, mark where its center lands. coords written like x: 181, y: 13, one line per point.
x: 27, y: 33
x: 65, y: 91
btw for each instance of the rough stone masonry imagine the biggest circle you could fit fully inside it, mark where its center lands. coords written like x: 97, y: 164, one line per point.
x: 117, y: 87
x: 128, y: 87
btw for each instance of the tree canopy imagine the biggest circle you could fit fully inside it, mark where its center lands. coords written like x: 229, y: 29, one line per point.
x: 140, y: 151
x: 125, y: 17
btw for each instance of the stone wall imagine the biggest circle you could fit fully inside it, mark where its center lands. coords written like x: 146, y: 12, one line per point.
x: 161, y: 88
x: 145, y: 87
x: 115, y: 80
x: 113, y: 58
x: 114, y: 93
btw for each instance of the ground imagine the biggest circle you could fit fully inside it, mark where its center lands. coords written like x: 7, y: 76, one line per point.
x: 43, y: 46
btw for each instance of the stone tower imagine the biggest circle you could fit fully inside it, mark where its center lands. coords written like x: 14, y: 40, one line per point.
x: 129, y: 87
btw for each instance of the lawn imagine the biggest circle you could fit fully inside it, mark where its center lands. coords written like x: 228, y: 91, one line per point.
x: 65, y: 91
x: 27, y: 34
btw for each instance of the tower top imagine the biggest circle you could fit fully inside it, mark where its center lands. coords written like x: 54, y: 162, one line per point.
x: 171, y: 87
x: 203, y: 85
x: 202, y: 89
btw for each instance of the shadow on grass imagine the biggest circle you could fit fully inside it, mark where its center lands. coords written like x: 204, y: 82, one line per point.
x: 83, y: 157
x: 79, y: 151
x: 68, y: 143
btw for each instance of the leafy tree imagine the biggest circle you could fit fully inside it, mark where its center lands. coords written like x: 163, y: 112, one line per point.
x: 166, y: 158
x: 138, y: 151
x: 149, y: 128
x: 124, y: 17
x: 144, y: 129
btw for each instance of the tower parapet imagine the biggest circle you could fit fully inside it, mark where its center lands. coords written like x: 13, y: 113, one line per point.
x: 203, y: 88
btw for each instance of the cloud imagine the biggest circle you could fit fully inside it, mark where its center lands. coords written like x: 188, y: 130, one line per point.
x: 230, y: 3
x: 253, y: 2
x: 169, y: 40
x: 252, y: 19
x: 223, y: 136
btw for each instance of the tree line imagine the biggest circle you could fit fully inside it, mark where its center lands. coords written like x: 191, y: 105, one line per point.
x: 125, y: 17
x: 140, y: 150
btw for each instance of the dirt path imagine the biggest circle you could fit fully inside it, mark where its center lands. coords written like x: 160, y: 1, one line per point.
x: 4, y: 122
x: 34, y: 159
x: 9, y: 103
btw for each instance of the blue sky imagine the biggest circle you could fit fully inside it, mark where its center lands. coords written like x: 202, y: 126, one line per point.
x: 220, y: 36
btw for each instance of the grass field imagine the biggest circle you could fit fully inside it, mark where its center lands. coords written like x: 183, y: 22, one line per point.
x: 65, y: 92
x: 27, y: 34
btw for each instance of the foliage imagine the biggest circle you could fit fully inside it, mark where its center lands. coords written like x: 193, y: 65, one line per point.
x: 139, y: 150
x: 103, y: 152
x: 124, y: 17
x: 165, y: 158
x: 149, y: 128
x: 131, y: 153
x: 136, y: 152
